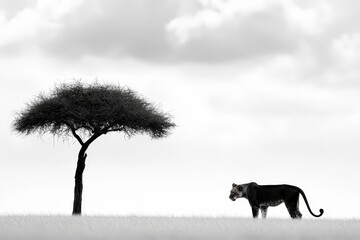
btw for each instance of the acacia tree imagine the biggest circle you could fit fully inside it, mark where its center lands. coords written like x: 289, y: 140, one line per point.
x: 87, y: 112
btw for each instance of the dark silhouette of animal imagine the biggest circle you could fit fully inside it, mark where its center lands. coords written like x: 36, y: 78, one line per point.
x: 263, y: 196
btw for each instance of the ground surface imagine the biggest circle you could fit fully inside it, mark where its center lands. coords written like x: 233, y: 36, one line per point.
x: 104, y: 227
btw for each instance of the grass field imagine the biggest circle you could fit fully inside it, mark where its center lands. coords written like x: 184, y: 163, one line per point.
x: 105, y: 227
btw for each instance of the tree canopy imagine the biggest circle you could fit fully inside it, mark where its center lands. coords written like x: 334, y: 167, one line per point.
x: 92, y: 109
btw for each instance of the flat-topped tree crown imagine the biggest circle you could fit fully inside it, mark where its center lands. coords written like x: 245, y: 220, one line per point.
x: 94, y: 109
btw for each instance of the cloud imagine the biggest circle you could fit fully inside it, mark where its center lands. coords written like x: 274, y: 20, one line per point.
x: 203, y: 31
x: 230, y: 30
x: 212, y: 15
x: 77, y: 28
x: 29, y: 25
x: 116, y: 29
x: 251, y: 37
x: 11, y: 7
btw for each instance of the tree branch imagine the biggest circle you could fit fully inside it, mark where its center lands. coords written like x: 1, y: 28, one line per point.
x: 92, y: 138
x: 73, y: 131
x: 116, y: 129
x: 77, y: 136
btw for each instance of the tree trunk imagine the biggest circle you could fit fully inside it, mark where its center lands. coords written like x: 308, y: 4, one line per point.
x: 78, y: 182
x: 79, y: 172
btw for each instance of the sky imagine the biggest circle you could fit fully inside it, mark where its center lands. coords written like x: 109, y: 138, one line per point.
x: 261, y: 91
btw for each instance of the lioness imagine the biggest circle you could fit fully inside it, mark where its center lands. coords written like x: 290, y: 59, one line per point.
x: 263, y: 196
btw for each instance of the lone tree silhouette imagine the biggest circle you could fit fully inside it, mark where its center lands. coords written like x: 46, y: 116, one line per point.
x: 88, y: 111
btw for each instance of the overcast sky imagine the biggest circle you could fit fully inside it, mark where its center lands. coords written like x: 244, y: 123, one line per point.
x: 264, y: 91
